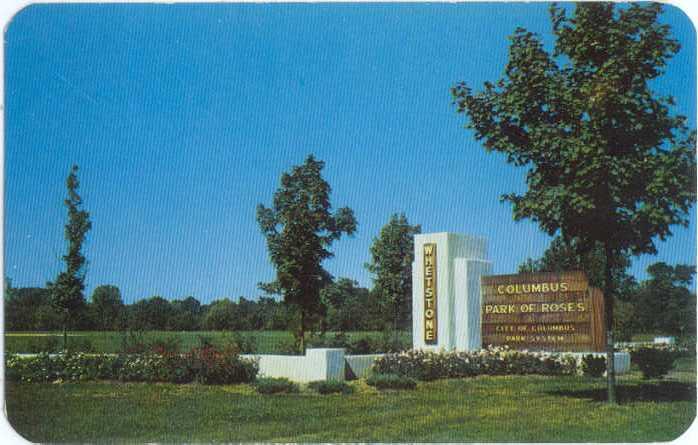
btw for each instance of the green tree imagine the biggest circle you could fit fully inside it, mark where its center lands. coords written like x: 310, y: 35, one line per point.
x: 107, y: 306
x: 392, y: 253
x: 562, y: 256
x: 350, y: 307
x: 664, y: 302
x: 608, y: 163
x: 300, y: 229
x: 155, y: 313
x: 67, y: 290
x: 187, y: 314
x: 221, y: 315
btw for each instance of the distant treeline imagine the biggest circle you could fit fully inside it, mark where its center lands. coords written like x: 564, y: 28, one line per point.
x: 347, y: 307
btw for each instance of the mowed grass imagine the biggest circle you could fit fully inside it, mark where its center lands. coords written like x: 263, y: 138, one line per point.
x: 267, y: 342
x: 482, y: 409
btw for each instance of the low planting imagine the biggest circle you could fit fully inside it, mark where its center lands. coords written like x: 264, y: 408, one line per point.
x: 654, y: 362
x: 272, y: 385
x: 361, y: 344
x: 330, y: 387
x: 593, y: 366
x: 426, y: 365
x: 391, y: 381
x: 205, y: 365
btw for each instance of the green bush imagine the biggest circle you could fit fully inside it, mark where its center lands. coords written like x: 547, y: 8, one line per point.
x: 426, y: 365
x: 245, y: 344
x: 213, y: 366
x: 654, y: 362
x: 133, y: 342
x: 391, y: 381
x: 330, y: 387
x: 165, y: 345
x: 73, y: 367
x: 593, y: 366
x: 363, y: 345
x: 203, y: 365
x: 270, y: 385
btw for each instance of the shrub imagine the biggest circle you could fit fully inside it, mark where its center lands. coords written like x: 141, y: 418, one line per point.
x: 288, y: 346
x: 426, y: 365
x: 389, y: 343
x: 363, y: 345
x: 133, y: 342
x: 204, y: 341
x: 321, y: 340
x: 654, y: 362
x: 245, y: 344
x: 66, y: 367
x: 204, y: 365
x: 165, y: 345
x: 391, y: 381
x: 593, y: 366
x: 330, y: 387
x: 270, y: 385
x: 212, y: 366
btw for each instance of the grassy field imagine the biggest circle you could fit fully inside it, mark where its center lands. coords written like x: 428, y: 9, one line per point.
x: 482, y: 409
x: 267, y: 342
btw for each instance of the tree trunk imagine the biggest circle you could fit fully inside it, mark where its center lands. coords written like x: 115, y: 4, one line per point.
x: 397, y: 312
x: 302, y: 333
x: 65, y: 335
x: 609, y: 291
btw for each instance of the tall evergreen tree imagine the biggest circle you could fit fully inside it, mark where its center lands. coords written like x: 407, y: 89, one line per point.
x: 67, y: 291
x: 608, y: 163
x: 300, y: 229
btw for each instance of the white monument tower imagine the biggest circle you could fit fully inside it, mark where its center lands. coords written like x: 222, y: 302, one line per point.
x: 446, y: 291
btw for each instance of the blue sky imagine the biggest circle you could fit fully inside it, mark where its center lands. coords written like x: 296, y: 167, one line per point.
x: 183, y: 117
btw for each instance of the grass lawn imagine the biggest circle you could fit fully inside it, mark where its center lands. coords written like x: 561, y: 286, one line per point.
x: 267, y: 342
x: 512, y: 408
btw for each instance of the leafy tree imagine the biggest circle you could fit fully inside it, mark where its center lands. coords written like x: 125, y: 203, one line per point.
x: 155, y: 313
x: 67, y: 290
x: 664, y: 302
x: 392, y: 253
x: 22, y: 307
x: 107, y: 306
x: 187, y: 314
x: 350, y: 307
x: 221, y: 315
x: 562, y: 256
x: 300, y: 229
x: 608, y: 163
x: 275, y: 315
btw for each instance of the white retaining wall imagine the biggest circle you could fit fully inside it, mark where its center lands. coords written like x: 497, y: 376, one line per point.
x: 316, y: 364
x: 359, y: 365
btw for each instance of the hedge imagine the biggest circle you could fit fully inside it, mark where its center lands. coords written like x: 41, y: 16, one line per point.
x: 203, y: 365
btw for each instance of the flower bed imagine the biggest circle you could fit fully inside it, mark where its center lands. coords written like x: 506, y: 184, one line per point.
x: 203, y: 365
x: 425, y: 365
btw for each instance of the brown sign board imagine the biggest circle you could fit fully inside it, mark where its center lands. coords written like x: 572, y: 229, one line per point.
x: 549, y: 311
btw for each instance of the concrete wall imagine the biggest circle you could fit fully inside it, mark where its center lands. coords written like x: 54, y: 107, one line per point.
x: 358, y: 366
x: 316, y: 364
